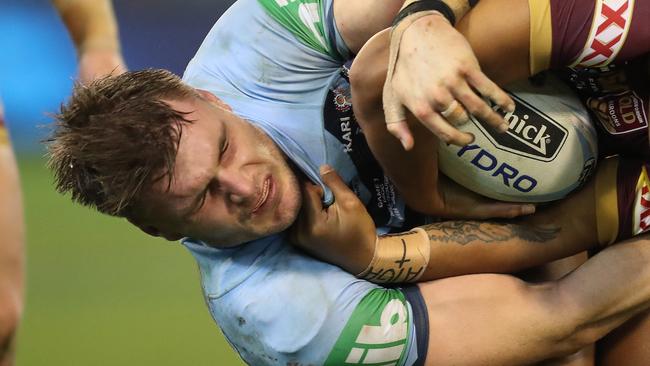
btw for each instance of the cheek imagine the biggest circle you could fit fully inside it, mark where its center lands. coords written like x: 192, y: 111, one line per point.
x: 292, y: 195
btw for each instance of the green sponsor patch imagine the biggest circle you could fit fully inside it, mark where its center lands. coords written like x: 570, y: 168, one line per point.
x: 377, y: 332
x: 303, y: 18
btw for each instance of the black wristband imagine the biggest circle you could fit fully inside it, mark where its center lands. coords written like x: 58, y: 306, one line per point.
x: 424, y: 5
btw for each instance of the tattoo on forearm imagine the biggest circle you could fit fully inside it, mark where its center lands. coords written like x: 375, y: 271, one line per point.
x: 464, y: 232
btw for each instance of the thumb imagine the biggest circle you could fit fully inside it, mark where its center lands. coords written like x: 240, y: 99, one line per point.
x: 334, y: 181
x: 395, y: 116
x: 402, y: 132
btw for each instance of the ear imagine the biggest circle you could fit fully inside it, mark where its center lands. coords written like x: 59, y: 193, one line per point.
x: 206, y: 95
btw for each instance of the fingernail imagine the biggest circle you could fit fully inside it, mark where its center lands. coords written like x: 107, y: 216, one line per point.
x: 528, y: 209
x: 403, y: 142
x: 510, y: 108
x: 325, y: 169
x: 503, y: 127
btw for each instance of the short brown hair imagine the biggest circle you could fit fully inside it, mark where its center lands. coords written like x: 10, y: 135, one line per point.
x: 116, y: 136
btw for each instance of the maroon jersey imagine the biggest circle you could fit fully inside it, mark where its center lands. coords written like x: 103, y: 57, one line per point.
x: 618, y: 99
x: 622, y: 199
x: 587, y: 33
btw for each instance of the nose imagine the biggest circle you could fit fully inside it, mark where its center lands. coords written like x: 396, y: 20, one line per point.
x: 237, y: 186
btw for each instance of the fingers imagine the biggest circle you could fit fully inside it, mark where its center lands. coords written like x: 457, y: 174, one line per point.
x: 393, y: 109
x: 395, y: 117
x: 490, y: 90
x: 479, y: 108
x: 402, y: 132
x: 332, y: 180
x: 441, y: 128
x: 455, y: 113
x: 312, y: 204
x: 503, y: 210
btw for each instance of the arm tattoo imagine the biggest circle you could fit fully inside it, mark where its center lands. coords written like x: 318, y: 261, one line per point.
x: 464, y: 232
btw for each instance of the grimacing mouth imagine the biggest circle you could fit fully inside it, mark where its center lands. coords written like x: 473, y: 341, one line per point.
x: 264, y: 195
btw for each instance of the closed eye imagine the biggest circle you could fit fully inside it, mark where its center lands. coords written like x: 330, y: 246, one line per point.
x: 224, y: 148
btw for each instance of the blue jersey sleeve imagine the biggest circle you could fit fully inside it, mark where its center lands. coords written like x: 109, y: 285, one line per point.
x: 277, y: 306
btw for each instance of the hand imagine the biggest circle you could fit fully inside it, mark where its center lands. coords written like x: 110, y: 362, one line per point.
x: 435, y: 77
x: 341, y: 234
x: 96, y: 63
x: 459, y: 202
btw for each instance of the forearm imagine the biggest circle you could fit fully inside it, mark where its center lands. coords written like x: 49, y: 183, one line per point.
x: 12, y: 259
x: 607, y: 290
x: 91, y: 24
x: 558, y: 231
x: 499, y: 33
x: 467, y: 247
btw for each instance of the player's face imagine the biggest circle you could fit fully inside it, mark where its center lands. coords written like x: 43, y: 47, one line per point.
x: 231, y: 182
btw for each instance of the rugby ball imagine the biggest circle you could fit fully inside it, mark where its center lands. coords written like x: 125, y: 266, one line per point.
x: 549, y: 150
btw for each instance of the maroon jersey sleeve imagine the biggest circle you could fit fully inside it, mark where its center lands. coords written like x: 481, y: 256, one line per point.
x: 587, y: 33
x: 622, y: 199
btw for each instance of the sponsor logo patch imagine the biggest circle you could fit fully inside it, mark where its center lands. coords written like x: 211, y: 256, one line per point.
x: 377, y: 332
x: 621, y: 113
x: 642, y: 204
x: 531, y: 133
x: 609, y: 29
x: 342, y: 99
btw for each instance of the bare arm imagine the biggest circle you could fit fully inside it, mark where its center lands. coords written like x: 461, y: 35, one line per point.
x: 12, y: 249
x: 344, y: 234
x: 94, y: 32
x: 499, y: 33
x: 93, y: 29
x: 500, y: 320
x: 557, y: 231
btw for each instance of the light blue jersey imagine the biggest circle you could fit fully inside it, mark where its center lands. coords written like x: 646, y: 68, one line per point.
x: 279, y: 65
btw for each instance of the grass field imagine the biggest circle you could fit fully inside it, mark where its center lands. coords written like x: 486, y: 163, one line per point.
x: 102, y: 293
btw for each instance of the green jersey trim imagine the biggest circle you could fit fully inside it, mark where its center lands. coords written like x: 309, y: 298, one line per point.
x: 303, y: 18
x: 377, y: 332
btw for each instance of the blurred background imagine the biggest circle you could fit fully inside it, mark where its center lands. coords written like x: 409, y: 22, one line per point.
x: 99, y: 291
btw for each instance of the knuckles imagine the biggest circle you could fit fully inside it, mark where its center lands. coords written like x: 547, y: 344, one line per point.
x: 422, y: 110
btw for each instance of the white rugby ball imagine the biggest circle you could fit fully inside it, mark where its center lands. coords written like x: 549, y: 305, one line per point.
x: 550, y: 148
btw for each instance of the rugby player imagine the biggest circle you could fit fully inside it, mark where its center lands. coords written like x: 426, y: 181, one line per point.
x: 93, y: 28
x: 230, y: 182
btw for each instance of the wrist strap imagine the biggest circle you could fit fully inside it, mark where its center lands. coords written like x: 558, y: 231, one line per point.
x: 399, y: 257
x: 425, y: 5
